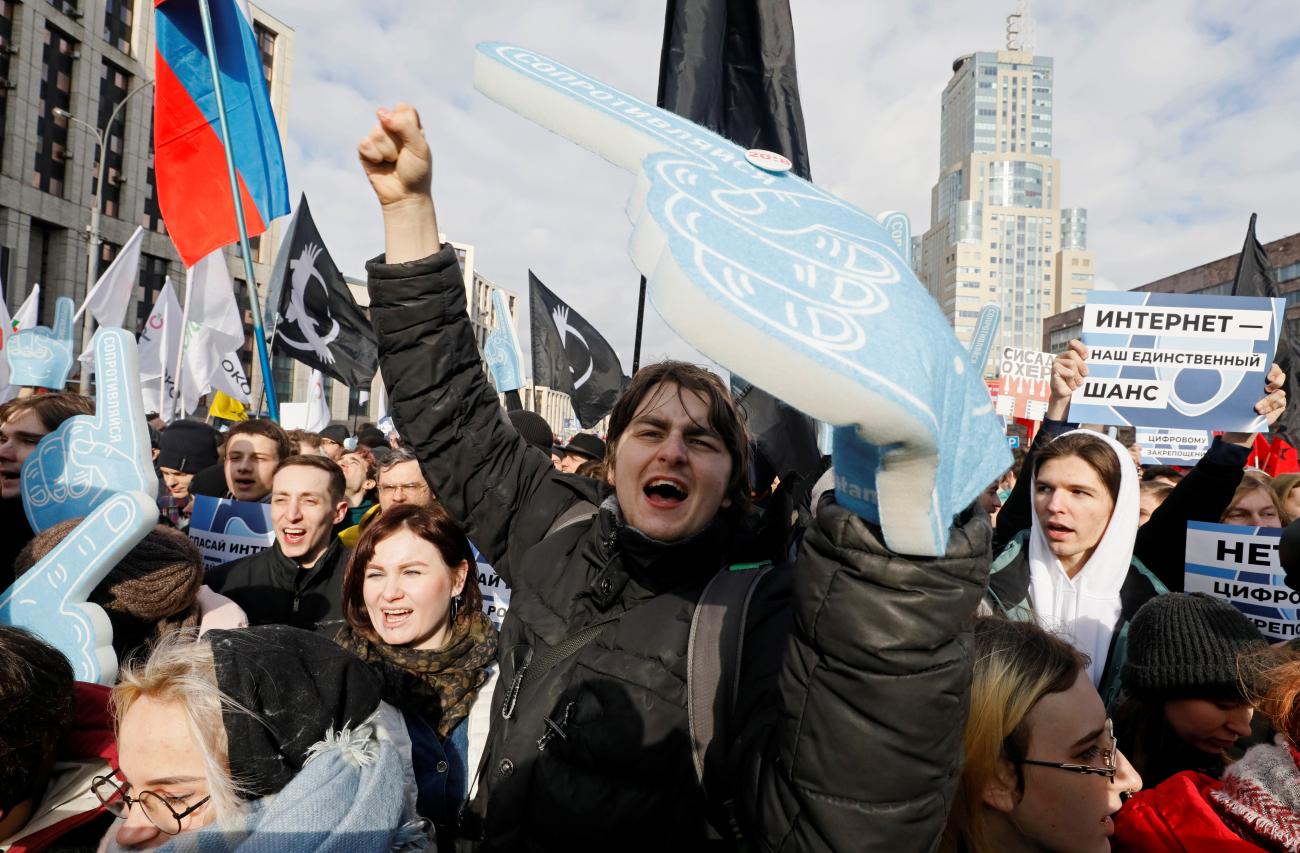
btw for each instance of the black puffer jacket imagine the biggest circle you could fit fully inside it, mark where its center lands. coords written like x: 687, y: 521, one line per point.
x: 847, y: 730
x: 274, y: 590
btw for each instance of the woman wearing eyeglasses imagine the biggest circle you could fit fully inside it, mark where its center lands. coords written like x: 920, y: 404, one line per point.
x: 1042, y: 770
x: 414, y: 613
x: 1255, y: 806
x: 268, y: 731
x: 1184, y: 705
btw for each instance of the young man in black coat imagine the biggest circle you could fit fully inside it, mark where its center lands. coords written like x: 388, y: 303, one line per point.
x: 845, y: 729
x: 298, y: 581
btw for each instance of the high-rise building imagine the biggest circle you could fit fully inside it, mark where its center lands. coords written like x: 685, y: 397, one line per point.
x: 997, y: 230
x: 65, y: 66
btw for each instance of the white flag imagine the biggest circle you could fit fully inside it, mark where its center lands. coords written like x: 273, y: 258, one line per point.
x: 318, y: 408
x: 27, y: 315
x: 109, y: 298
x: 159, y: 347
x: 7, y: 392
x: 214, y: 334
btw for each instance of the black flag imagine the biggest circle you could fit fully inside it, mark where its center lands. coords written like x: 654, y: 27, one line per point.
x: 729, y: 65
x: 571, y: 356
x: 313, y: 317
x: 1255, y: 278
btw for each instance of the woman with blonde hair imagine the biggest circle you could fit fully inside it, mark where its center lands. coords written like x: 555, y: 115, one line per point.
x: 1255, y: 503
x: 245, y: 733
x: 1041, y: 769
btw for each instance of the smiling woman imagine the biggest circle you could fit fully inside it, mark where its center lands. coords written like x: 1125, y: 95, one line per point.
x: 414, y: 614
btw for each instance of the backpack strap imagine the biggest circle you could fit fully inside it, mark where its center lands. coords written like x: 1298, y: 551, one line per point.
x: 714, y: 653
x: 581, y: 511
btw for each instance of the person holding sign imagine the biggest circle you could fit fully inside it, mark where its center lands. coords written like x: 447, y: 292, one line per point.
x: 1072, y: 556
x: 591, y: 734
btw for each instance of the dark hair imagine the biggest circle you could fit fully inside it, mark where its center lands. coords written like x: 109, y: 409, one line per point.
x: 1093, y: 450
x: 299, y: 439
x: 51, y: 409
x: 268, y: 429
x: 368, y: 457
x: 595, y: 469
x: 434, y: 525
x: 338, y: 483
x: 1155, y: 472
x: 396, y: 456
x: 725, y: 417
x: 36, y: 708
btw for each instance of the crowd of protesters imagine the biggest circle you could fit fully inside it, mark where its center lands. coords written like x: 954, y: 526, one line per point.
x: 1046, y: 684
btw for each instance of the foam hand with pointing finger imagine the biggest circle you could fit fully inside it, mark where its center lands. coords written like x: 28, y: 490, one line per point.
x: 42, y: 357
x: 90, y: 457
x: 803, y: 293
x: 97, y: 468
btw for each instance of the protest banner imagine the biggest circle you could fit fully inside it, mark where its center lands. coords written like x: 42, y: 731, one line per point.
x: 496, y: 594
x: 1240, y: 565
x: 1026, y: 383
x: 1176, y: 361
x: 226, y: 529
x: 1173, y: 446
x: 803, y: 293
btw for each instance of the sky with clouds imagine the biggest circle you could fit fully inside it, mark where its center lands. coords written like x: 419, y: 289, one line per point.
x: 1174, y: 120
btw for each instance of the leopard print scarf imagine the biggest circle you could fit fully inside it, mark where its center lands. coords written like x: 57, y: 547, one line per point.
x: 439, y: 684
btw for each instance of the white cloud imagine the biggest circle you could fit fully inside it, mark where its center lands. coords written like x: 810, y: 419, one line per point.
x: 1174, y: 120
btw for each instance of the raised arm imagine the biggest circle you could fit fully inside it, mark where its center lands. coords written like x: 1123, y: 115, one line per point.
x: 440, y: 398
x: 1204, y: 494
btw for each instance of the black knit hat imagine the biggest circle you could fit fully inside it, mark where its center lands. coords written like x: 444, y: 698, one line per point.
x: 1187, y: 645
x: 532, y: 428
x: 188, y: 447
x: 299, y: 685
x: 336, y: 433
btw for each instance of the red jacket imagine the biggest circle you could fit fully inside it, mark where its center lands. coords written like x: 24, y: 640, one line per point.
x: 1176, y: 816
x: 91, y: 739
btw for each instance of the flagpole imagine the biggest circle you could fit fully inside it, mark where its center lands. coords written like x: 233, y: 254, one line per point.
x: 640, y: 319
x: 179, y: 377
x: 255, y: 308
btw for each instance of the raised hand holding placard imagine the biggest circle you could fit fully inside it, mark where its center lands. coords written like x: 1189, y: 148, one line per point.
x: 90, y: 457
x: 804, y: 294
x: 50, y: 599
x: 42, y: 357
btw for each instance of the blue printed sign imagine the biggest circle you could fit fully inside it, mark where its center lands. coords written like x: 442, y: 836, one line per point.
x: 1177, y: 361
x: 1173, y: 446
x: 41, y: 357
x: 90, y: 457
x: 1013, y: 441
x: 1240, y: 565
x: 496, y: 594
x: 803, y: 293
x: 226, y: 529
x: 502, y: 349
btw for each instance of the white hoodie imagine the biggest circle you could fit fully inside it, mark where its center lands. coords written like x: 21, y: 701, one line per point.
x: 1085, y: 609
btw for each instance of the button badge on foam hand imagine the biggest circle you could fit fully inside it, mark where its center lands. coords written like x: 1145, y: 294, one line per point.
x: 798, y: 290
x: 97, y: 468
x: 42, y: 357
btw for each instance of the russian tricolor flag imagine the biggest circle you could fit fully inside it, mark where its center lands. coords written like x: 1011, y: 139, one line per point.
x: 190, y: 165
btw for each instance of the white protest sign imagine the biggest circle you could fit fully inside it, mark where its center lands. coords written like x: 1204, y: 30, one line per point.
x: 1026, y: 383
x: 1173, y: 446
x: 226, y: 529
x: 1176, y: 360
x: 1240, y: 565
x: 495, y: 592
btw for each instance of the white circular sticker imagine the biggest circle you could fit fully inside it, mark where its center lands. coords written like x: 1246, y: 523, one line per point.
x: 769, y: 161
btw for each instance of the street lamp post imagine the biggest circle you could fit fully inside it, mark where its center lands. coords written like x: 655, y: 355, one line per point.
x: 92, y: 247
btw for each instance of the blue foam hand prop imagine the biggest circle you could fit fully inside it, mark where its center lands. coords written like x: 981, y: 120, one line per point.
x: 91, y: 457
x: 42, y: 357
x: 803, y: 293
x: 501, y: 350
x: 50, y: 599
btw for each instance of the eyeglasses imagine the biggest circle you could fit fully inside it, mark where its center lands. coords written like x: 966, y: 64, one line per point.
x: 155, y: 805
x: 409, y: 488
x: 1107, y: 756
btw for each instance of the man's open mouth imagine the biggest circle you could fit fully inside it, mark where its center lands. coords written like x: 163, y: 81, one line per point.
x: 665, y: 493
